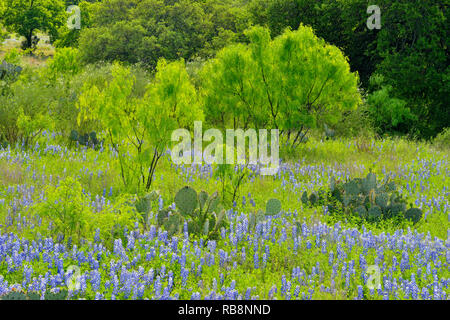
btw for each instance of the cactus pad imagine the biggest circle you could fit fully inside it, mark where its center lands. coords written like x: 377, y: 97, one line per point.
x: 186, y: 200
x: 273, y: 207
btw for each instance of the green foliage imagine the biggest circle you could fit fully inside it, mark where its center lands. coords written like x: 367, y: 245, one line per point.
x: 145, y: 122
x: 70, y: 37
x: 413, y: 43
x: 341, y: 23
x: 410, y: 50
x: 25, y: 17
x: 67, y: 211
x: 145, y: 31
x: 442, y: 140
x: 3, y: 34
x: 24, y: 108
x: 202, y: 213
x: 389, y: 114
x: 66, y: 61
x: 291, y: 83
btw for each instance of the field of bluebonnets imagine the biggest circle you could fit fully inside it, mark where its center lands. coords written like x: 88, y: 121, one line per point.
x: 303, y: 252
x: 94, y: 206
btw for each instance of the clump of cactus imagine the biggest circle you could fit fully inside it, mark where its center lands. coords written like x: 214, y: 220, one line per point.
x: 364, y: 197
x: 273, y: 207
x: 370, y: 200
x: 32, y: 295
x: 202, y: 213
x: 86, y: 139
x: 9, y: 71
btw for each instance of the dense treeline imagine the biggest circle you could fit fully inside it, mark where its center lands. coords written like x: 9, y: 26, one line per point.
x: 403, y: 68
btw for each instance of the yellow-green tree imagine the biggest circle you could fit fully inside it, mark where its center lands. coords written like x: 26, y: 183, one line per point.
x: 292, y: 83
x: 139, y: 129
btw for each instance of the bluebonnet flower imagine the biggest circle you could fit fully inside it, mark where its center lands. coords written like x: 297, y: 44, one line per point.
x: 256, y: 260
x: 360, y: 293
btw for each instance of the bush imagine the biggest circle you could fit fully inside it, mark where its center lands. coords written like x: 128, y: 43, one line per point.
x: 68, y: 212
x: 442, y: 140
x: 24, y: 111
x: 66, y: 61
x: 389, y: 114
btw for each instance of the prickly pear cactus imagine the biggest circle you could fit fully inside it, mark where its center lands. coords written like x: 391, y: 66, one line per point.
x: 14, y: 295
x: 186, y: 201
x: 368, y: 200
x: 381, y: 199
x: 369, y: 183
x: 374, y: 212
x: 362, y: 211
x: 173, y: 224
x: 33, y: 295
x: 161, y: 216
x: 212, y: 203
x: 273, y: 207
x: 61, y: 295
x: 351, y: 188
x: 394, y: 209
x: 202, y: 198
x: 313, y: 198
x: 305, y: 197
x: 143, y: 205
x: 9, y: 71
x: 73, y: 135
x: 413, y: 214
x: 220, y: 219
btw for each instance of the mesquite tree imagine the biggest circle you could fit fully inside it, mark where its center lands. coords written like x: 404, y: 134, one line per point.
x: 139, y: 128
x: 291, y: 83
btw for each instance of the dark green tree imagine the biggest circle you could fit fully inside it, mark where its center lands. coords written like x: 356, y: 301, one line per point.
x: 414, y: 45
x: 25, y: 17
x: 146, y: 30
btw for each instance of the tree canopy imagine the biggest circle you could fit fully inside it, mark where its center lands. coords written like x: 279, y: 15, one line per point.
x: 26, y: 17
x: 291, y: 83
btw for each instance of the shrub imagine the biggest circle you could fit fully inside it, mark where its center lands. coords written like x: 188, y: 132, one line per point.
x: 388, y: 113
x: 67, y: 209
x: 442, y: 140
x: 66, y: 61
x: 24, y: 111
